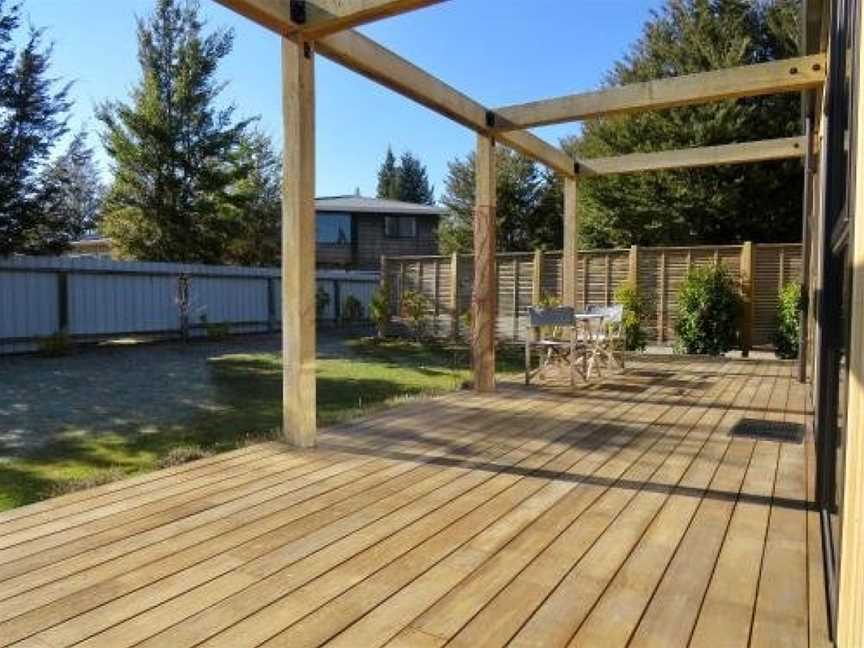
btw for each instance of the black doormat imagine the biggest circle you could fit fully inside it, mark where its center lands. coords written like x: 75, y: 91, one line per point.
x: 769, y: 430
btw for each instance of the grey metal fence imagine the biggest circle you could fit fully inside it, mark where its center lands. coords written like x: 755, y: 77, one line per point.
x: 96, y: 298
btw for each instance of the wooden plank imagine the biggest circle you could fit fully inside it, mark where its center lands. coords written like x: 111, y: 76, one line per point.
x: 316, y: 18
x: 298, y: 244
x: 675, y: 604
x: 366, y: 57
x: 790, y: 75
x: 744, y: 153
x: 571, y: 240
x: 484, y: 295
x: 590, y: 551
x: 598, y: 587
x: 274, y: 582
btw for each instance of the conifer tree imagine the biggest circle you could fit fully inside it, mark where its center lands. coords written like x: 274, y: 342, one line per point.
x: 172, y: 149
x: 413, y: 184
x: 388, y: 177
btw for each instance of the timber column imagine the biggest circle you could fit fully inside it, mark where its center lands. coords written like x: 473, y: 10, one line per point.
x: 298, y: 243
x: 484, y: 297
x: 571, y: 241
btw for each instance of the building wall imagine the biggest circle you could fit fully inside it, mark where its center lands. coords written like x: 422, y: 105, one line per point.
x: 371, y: 243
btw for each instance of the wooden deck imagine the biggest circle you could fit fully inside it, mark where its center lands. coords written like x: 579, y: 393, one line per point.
x: 623, y: 513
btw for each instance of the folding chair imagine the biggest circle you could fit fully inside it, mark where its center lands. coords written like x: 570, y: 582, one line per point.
x: 609, y: 339
x: 551, y: 331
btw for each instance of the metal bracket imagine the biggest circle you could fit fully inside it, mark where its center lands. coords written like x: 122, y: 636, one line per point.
x: 490, y: 119
x: 298, y: 11
x: 307, y: 50
x: 576, y: 168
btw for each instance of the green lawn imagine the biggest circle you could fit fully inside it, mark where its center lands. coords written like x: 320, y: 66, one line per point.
x: 247, y: 389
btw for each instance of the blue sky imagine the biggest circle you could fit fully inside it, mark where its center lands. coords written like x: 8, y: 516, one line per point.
x: 497, y: 51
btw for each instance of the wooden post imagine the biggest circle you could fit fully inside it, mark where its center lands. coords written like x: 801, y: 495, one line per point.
x: 585, y: 282
x: 805, y: 251
x: 633, y: 268
x: 436, y: 295
x: 850, y: 601
x: 484, y: 297
x: 607, y: 284
x: 747, y: 298
x: 298, y: 243
x: 661, y: 318
x: 571, y: 241
x: 454, y: 294
x: 516, y: 298
x: 537, y: 278
x: 271, y: 305
x: 63, y: 303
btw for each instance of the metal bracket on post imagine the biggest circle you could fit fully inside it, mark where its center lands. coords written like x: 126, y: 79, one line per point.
x: 490, y: 119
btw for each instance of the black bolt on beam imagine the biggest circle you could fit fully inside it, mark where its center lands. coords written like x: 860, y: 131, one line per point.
x: 490, y: 119
x: 298, y: 11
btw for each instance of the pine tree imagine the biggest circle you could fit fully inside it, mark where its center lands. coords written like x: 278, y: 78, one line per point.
x: 257, y: 213
x: 73, y: 195
x: 173, y: 150
x: 528, y: 205
x: 33, y: 113
x: 388, y: 177
x: 760, y: 202
x: 413, y: 184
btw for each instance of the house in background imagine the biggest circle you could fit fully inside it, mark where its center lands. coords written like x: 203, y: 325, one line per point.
x: 355, y: 231
x: 352, y: 232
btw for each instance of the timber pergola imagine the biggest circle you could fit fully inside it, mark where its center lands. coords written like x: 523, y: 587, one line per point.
x: 325, y: 27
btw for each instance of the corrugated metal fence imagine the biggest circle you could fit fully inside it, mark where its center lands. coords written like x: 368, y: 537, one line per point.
x: 95, y: 298
x: 525, y: 278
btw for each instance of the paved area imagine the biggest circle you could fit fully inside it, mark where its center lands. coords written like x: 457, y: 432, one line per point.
x: 140, y: 388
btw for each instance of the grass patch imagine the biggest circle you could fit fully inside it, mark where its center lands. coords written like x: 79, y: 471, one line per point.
x: 248, y: 392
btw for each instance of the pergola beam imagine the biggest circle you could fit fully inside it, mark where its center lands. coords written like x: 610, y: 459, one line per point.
x: 317, y: 18
x: 789, y: 75
x: 366, y: 57
x: 748, y: 152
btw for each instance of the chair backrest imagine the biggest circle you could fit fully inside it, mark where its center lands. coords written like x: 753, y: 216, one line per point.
x: 554, y: 316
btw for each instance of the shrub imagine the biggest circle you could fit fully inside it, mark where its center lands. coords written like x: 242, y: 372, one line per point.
x: 786, y: 337
x: 708, y: 306
x: 92, y: 480
x: 217, y: 331
x: 352, y: 309
x: 322, y: 301
x: 636, y: 309
x: 59, y: 344
x: 379, y: 309
x: 414, y: 310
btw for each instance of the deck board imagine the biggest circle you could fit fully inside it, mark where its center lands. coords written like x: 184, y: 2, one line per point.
x: 621, y: 512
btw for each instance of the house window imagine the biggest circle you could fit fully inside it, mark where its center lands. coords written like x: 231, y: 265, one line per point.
x: 400, y: 227
x: 333, y: 229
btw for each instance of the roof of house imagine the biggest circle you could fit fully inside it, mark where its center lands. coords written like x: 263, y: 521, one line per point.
x: 360, y: 204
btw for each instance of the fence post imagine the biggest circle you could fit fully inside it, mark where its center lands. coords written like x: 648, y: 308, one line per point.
x: 337, y: 302
x: 537, y: 278
x: 633, y: 268
x: 607, y: 285
x: 454, y: 295
x: 271, y: 305
x: 516, y: 298
x: 62, y: 302
x: 661, y: 319
x: 748, y: 297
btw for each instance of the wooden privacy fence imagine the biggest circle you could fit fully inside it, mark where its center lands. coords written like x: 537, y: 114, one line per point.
x: 96, y: 298
x: 526, y: 278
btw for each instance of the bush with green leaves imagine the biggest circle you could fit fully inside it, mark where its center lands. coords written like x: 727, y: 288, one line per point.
x: 636, y: 309
x: 352, y: 309
x: 786, y: 338
x: 379, y: 309
x: 414, y: 311
x: 708, y: 307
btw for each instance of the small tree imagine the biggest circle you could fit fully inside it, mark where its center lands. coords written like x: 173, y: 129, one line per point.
x: 786, y: 338
x: 379, y: 309
x: 415, y: 309
x: 708, y: 305
x: 635, y: 310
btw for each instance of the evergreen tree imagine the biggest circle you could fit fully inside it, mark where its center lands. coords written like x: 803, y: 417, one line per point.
x: 73, y: 196
x: 528, y: 205
x: 257, y: 212
x: 173, y: 150
x: 726, y: 204
x: 413, y: 184
x: 33, y: 113
x: 388, y: 177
